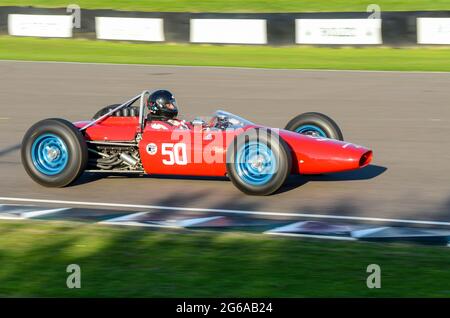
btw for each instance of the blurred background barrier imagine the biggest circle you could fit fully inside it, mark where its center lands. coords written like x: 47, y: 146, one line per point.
x: 56, y: 26
x: 433, y: 30
x: 133, y: 29
x: 325, y: 28
x: 231, y: 31
x: 338, y: 31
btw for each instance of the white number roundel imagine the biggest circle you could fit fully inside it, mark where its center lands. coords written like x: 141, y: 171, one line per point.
x: 152, y: 149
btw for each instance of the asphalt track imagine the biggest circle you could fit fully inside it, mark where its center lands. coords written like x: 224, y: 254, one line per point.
x: 403, y: 117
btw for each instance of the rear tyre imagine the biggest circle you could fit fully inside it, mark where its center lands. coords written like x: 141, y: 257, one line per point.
x: 315, y: 124
x: 258, y: 161
x: 54, y: 152
x: 104, y: 110
x: 130, y: 111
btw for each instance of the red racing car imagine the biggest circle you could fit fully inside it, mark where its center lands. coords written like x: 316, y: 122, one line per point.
x: 149, y: 139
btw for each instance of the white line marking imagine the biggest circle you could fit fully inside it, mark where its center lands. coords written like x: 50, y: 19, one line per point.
x: 5, y: 217
x: 327, y: 237
x: 127, y: 220
x: 31, y: 214
x: 293, y: 227
x: 124, y: 218
x: 133, y: 223
x: 230, y: 67
x: 194, y: 222
x: 365, y: 232
x: 170, y: 208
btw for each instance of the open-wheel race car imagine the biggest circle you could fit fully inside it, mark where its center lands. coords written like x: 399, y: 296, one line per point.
x: 149, y: 139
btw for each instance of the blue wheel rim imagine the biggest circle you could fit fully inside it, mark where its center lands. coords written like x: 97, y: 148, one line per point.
x: 49, y: 154
x: 311, y: 130
x: 255, y: 163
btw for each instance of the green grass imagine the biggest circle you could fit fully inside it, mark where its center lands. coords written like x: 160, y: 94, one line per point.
x: 81, y: 50
x: 130, y: 262
x: 241, y: 5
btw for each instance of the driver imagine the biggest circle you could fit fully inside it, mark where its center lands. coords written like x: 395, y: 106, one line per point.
x: 162, y: 105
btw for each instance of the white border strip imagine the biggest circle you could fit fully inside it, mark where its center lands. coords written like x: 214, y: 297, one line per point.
x: 267, y: 213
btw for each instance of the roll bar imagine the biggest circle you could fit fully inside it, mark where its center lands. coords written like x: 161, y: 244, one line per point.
x: 126, y: 104
x: 141, y: 110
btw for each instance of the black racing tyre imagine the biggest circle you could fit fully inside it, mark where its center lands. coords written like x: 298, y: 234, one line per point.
x: 54, y: 152
x: 315, y: 124
x: 258, y: 161
x: 104, y: 110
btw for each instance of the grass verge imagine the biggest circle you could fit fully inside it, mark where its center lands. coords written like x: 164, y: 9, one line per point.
x: 125, y: 262
x: 82, y: 50
x: 240, y: 5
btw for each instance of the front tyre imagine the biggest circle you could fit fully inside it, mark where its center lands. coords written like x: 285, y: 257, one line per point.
x: 315, y: 124
x: 54, y: 152
x: 258, y: 161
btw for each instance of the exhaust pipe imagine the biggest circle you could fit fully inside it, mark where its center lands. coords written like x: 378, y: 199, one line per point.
x: 128, y: 159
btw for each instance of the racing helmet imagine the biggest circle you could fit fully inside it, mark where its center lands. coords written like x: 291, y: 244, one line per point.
x: 162, y: 103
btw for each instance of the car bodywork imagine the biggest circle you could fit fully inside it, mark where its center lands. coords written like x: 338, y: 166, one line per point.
x: 199, y: 148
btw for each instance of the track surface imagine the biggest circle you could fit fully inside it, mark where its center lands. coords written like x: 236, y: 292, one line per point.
x: 403, y: 117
